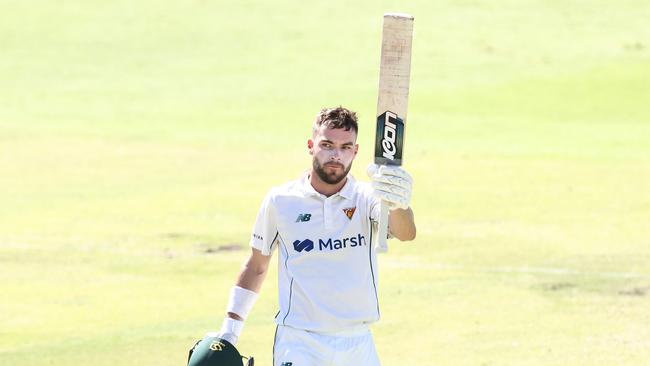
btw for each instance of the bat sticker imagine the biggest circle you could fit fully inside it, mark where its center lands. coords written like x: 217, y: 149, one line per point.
x: 390, y: 139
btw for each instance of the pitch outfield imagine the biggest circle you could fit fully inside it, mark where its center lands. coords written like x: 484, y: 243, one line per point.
x: 137, y: 140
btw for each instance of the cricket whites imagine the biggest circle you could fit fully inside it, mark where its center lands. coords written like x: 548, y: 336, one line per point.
x: 392, y: 101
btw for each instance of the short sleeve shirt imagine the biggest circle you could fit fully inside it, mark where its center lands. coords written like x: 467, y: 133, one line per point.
x: 327, y: 276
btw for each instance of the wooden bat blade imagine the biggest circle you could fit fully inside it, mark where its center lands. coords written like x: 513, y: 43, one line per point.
x: 392, y: 101
x: 394, y: 77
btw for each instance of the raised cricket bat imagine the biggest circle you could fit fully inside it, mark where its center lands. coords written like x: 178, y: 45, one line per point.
x: 392, y: 102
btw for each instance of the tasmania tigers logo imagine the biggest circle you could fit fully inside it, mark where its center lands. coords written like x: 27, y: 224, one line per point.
x: 349, y: 212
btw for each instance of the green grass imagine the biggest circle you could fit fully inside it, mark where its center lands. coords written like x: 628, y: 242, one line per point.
x: 138, y: 138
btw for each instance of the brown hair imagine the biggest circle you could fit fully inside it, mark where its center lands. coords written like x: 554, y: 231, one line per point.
x: 336, y: 118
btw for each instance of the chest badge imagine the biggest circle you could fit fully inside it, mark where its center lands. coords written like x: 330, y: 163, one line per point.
x: 349, y: 212
x: 303, y: 217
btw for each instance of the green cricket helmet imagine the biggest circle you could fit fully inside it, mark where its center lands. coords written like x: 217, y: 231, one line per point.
x: 214, y: 351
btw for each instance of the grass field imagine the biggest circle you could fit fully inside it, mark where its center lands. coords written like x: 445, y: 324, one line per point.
x: 137, y: 140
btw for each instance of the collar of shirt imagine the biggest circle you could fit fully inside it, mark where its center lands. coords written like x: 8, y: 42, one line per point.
x: 345, y: 192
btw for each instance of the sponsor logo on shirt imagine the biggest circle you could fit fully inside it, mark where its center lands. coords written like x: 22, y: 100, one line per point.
x: 349, y: 212
x: 330, y: 244
x: 306, y: 245
x: 336, y: 244
x: 303, y: 217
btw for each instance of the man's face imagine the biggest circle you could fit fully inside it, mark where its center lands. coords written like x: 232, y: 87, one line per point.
x: 333, y: 151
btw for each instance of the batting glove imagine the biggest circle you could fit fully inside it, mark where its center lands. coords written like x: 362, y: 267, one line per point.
x: 392, y: 184
x: 230, y: 330
x: 240, y: 302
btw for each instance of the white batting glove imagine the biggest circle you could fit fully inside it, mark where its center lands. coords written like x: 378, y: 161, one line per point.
x: 230, y: 330
x: 392, y: 184
x: 240, y: 302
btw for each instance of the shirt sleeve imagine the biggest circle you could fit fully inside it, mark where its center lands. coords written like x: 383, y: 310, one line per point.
x: 265, y: 232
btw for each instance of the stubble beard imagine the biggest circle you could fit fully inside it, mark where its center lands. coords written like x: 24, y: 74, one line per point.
x: 333, y: 177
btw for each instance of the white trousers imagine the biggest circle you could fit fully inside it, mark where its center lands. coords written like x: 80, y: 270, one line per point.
x: 295, y: 347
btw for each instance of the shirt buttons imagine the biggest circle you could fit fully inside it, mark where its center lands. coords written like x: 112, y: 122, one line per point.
x: 326, y: 213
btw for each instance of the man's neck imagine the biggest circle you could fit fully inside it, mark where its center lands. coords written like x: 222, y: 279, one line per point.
x: 324, y: 188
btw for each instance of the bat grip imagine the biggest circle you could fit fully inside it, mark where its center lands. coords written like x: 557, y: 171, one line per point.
x: 382, y: 234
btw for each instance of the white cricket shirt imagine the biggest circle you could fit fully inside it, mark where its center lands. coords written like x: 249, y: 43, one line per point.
x: 327, y: 277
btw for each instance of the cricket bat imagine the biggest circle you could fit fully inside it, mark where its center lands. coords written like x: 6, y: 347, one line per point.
x: 392, y: 101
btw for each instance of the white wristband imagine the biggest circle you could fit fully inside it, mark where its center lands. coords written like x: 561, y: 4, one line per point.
x: 241, y: 301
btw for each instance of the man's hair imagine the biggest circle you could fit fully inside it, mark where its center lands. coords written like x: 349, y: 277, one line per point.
x: 336, y: 118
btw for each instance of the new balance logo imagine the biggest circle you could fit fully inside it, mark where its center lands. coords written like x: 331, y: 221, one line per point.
x: 303, y: 218
x: 306, y: 245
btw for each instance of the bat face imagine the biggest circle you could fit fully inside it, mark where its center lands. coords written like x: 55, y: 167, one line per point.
x: 392, y: 101
x: 394, y: 75
x: 389, y: 140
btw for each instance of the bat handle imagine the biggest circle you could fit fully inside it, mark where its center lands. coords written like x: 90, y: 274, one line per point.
x: 382, y: 234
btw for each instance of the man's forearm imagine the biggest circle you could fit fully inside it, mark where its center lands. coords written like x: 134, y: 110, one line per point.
x: 402, y: 224
x: 249, y: 280
x: 252, y: 276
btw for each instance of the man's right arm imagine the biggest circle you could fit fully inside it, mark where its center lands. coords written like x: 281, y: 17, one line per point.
x: 243, y: 295
x: 252, y: 275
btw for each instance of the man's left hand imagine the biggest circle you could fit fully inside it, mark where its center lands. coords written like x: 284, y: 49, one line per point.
x: 392, y: 184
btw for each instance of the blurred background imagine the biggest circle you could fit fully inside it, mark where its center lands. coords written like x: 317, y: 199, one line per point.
x: 137, y: 140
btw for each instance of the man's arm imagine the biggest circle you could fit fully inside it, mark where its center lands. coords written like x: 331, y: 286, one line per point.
x: 252, y: 274
x: 243, y: 295
x: 394, y: 185
x: 402, y: 224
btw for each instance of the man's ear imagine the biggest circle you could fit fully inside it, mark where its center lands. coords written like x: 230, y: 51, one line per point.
x: 356, y: 149
x: 310, y: 146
